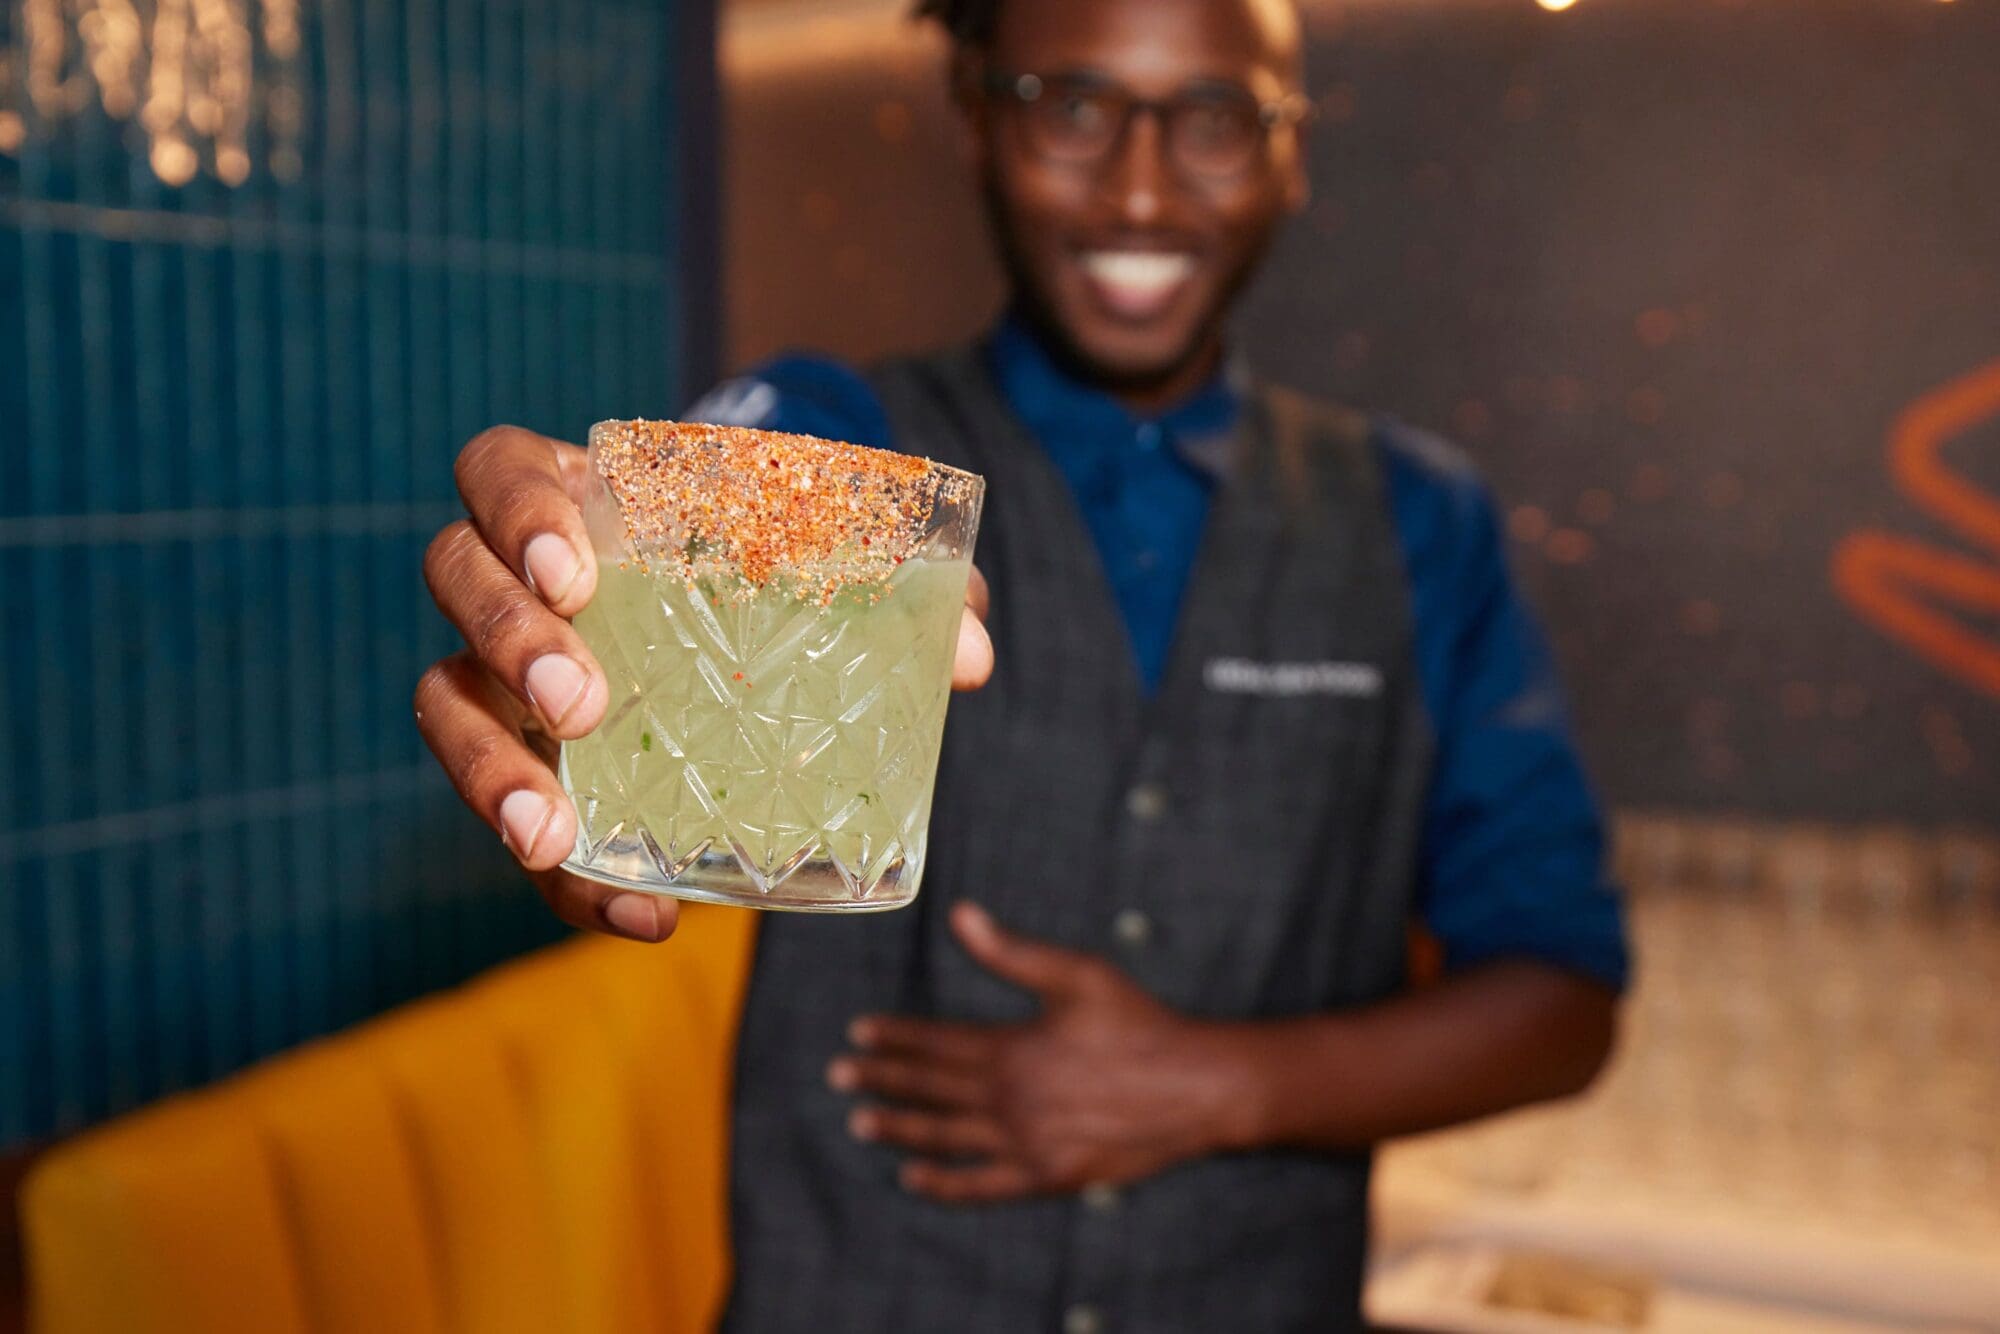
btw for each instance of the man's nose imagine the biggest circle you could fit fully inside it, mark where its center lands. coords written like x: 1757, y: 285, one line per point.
x: 1136, y: 177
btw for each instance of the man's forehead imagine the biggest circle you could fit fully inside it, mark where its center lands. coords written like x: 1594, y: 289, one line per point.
x: 1146, y: 40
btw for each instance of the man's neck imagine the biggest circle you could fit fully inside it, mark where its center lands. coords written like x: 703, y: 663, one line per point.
x: 1151, y: 398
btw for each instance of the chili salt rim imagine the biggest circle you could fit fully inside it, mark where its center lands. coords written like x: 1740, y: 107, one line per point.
x: 752, y: 506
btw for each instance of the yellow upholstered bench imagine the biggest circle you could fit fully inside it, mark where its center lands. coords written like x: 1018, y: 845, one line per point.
x: 542, y: 1150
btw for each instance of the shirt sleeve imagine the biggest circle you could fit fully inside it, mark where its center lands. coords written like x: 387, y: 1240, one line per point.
x: 1513, y: 858
x: 800, y: 393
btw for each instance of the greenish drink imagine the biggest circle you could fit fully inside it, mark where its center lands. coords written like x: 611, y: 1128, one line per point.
x: 777, y: 617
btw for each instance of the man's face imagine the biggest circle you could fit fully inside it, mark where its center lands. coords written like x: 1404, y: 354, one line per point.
x: 1130, y: 262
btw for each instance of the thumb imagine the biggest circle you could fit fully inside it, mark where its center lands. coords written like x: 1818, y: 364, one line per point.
x: 1047, y: 970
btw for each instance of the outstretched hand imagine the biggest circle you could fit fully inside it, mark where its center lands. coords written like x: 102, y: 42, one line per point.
x: 1104, y: 1086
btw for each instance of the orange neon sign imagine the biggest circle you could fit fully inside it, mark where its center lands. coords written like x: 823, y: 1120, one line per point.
x: 1899, y: 584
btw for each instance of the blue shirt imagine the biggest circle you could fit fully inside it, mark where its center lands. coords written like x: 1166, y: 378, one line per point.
x: 1512, y: 864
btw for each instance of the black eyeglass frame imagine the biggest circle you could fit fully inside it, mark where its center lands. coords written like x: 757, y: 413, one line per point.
x: 1294, y: 109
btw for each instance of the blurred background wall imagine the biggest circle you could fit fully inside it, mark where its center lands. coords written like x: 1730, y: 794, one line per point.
x: 264, y: 265
x: 1673, y: 272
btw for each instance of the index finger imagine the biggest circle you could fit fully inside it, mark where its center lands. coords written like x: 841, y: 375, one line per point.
x: 939, y: 1039
x: 980, y: 1183
x: 524, y: 493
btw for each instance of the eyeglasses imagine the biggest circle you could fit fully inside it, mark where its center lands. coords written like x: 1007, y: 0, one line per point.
x: 1212, y: 131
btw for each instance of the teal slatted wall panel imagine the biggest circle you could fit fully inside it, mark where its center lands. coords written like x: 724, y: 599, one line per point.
x: 227, y: 419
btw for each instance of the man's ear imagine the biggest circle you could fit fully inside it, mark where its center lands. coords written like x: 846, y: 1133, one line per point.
x: 1298, y: 181
x: 968, y: 100
x: 1298, y: 186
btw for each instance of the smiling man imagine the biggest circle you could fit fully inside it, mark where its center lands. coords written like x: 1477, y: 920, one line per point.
x: 1263, y: 695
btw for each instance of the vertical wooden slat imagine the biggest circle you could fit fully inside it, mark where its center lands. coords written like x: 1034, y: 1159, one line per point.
x: 262, y: 889
x: 409, y: 857
x: 541, y: 352
x: 367, y: 599
x: 324, y: 398
x: 253, y: 886
x: 607, y: 31
x: 84, y: 920
x: 15, y: 730
x: 569, y: 42
x: 203, y: 860
x: 472, y: 381
x: 133, y: 1048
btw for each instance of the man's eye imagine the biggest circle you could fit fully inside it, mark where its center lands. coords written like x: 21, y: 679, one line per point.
x: 1213, y: 123
x: 1082, y: 112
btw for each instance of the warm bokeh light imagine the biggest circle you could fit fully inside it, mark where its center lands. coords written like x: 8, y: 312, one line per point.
x: 1556, y: 6
x: 186, y: 70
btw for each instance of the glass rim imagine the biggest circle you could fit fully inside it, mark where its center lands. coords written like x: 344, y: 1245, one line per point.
x: 941, y: 469
x: 752, y: 505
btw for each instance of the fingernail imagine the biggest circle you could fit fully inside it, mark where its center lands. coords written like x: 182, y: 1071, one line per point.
x: 555, y: 684
x: 634, y: 915
x: 861, y: 1032
x: 522, y: 816
x: 552, y: 566
x: 841, y: 1076
x: 861, y: 1125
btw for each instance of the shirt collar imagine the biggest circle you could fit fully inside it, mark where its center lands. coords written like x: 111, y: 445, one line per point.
x: 1071, y: 418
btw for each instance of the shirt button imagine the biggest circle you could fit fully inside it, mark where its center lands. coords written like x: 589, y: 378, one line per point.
x: 1132, y: 927
x: 1102, y: 1198
x: 1149, y: 436
x: 1145, y: 560
x: 1083, y: 1318
x: 1146, y: 801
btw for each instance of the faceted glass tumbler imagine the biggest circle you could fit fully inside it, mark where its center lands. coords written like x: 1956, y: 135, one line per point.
x: 777, y: 620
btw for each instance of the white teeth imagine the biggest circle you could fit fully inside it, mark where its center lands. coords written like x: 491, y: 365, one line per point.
x: 1138, y: 270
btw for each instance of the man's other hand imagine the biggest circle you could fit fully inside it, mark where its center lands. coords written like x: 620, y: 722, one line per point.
x: 509, y: 576
x: 1103, y: 1087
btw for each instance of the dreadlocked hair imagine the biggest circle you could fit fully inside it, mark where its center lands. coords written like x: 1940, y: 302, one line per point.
x: 969, y: 22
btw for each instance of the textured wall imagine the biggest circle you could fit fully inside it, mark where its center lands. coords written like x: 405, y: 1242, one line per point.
x: 1673, y: 271
x: 1676, y: 273
x: 262, y: 269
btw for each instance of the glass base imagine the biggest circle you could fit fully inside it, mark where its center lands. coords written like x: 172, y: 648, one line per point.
x: 817, y: 884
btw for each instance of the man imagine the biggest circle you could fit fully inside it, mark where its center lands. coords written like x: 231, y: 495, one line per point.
x: 1264, y: 694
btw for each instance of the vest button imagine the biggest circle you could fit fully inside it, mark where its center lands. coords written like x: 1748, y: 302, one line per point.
x: 1146, y: 801
x: 1132, y: 927
x: 1102, y: 1198
x: 1083, y: 1318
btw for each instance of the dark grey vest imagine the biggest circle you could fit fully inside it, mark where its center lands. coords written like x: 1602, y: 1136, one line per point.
x: 1243, y: 843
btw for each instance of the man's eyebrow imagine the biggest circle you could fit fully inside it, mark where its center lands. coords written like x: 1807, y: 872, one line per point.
x: 1092, y: 76
x: 1089, y: 74
x: 1212, y: 83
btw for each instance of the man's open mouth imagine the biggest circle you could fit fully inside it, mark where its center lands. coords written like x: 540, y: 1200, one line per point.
x: 1136, y: 284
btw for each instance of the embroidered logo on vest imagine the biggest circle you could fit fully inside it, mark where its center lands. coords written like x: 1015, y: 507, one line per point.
x: 1240, y: 676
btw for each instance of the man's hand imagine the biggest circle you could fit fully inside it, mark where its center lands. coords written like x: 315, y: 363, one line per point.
x: 1105, y: 1086
x: 509, y: 576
